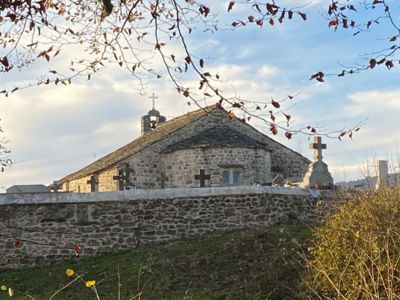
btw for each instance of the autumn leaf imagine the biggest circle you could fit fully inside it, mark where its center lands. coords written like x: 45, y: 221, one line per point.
x: 69, y: 272
x: 201, y: 62
x: 389, y: 64
x: 273, y: 129
x: 372, y: 63
x: 230, y: 6
x: 231, y: 114
x: 319, y: 76
x: 303, y: 16
x: 17, y: 243
x: 288, y: 135
x: 275, y: 103
x: 204, y: 10
x: 5, y: 62
x: 237, y: 105
x: 77, y: 250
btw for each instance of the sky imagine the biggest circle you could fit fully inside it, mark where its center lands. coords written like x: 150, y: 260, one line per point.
x: 54, y: 131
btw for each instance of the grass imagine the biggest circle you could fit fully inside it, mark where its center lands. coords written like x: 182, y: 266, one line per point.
x: 261, y: 264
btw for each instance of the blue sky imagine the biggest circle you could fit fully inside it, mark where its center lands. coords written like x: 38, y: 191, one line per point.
x: 53, y: 131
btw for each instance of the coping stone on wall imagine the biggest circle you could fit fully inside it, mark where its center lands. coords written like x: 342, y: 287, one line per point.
x: 131, y: 195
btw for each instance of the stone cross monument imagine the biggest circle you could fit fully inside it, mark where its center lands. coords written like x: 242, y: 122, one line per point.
x: 317, y: 175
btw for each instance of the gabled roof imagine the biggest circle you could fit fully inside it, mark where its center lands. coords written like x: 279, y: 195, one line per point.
x: 211, y: 136
x: 28, y: 188
x: 221, y: 136
x: 140, y: 143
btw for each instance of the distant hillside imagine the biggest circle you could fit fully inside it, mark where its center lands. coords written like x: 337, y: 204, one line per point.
x: 370, y: 182
x: 260, y: 264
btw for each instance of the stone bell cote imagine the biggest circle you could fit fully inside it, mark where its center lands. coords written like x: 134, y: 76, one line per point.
x: 152, y: 119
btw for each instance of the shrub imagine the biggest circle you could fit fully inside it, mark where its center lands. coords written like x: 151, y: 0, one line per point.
x: 356, y: 251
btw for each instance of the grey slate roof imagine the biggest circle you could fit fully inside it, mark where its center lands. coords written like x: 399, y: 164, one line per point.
x: 28, y: 188
x: 140, y: 143
x: 222, y: 136
x: 162, y: 131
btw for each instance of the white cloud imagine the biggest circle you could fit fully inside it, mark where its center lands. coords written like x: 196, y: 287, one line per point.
x: 375, y: 101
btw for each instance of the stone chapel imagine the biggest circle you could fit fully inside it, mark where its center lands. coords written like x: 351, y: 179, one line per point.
x: 203, y: 148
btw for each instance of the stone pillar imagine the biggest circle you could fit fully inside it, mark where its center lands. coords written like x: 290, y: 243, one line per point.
x: 382, y: 178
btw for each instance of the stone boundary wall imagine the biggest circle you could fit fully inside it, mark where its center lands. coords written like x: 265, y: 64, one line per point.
x: 49, y: 226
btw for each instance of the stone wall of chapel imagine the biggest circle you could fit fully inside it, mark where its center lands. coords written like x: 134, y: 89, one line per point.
x: 106, y: 181
x: 182, y: 165
x: 283, y: 160
x: 78, y: 185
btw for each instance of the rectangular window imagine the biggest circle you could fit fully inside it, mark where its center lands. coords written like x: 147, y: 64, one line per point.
x: 231, y: 177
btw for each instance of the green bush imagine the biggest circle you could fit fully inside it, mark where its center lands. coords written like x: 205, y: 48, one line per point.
x: 356, y: 251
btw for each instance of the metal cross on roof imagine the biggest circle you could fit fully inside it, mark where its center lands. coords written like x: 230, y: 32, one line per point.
x: 153, y: 97
x: 318, y: 147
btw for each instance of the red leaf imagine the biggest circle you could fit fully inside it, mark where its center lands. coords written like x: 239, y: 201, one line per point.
x: 303, y: 16
x: 389, y: 64
x: 275, y: 103
x: 273, y: 129
x: 333, y: 22
x: 271, y: 22
x: 288, y: 135
x: 186, y: 93
x: 230, y: 6
x: 237, y: 105
x: 372, y: 63
x: 77, y: 250
x: 17, y: 243
x: 5, y: 62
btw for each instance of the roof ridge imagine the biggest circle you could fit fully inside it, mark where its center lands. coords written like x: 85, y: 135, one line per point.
x: 147, y: 140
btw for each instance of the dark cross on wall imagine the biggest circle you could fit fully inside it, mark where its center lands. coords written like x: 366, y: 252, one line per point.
x: 55, y: 186
x: 163, y: 179
x: 123, y: 177
x: 93, y: 183
x: 202, y: 177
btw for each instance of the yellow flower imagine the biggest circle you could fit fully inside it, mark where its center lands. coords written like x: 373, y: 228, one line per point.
x: 3, y: 288
x: 10, y: 292
x: 90, y: 283
x: 70, y: 272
